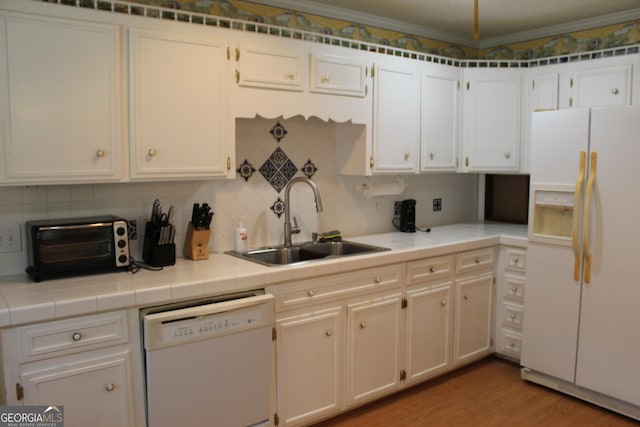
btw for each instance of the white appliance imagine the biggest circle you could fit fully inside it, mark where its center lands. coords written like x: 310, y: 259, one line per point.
x: 582, y: 304
x: 209, y: 363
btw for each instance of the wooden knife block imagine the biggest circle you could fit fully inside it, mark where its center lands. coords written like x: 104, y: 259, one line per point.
x: 196, y: 243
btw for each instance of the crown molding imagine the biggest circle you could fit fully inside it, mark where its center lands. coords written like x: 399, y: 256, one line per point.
x: 340, y: 13
x: 554, y: 30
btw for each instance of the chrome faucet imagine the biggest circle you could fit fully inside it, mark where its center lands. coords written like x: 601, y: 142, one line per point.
x: 288, y: 230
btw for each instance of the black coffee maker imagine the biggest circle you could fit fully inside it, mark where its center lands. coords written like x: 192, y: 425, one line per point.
x: 405, y: 219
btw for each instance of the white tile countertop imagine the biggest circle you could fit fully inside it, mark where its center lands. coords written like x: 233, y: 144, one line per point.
x: 24, y: 301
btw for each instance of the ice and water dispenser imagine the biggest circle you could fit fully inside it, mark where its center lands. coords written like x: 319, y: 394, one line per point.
x: 552, y: 214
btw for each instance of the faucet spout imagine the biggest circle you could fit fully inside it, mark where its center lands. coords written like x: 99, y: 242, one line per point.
x: 287, y: 205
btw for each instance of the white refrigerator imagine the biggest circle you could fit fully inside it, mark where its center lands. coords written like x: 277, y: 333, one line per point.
x: 582, y: 303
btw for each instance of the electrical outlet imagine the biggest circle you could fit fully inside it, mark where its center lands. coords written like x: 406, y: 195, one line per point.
x: 437, y: 205
x: 10, y: 240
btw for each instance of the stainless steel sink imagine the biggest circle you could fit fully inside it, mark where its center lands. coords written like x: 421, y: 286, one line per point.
x: 305, y: 252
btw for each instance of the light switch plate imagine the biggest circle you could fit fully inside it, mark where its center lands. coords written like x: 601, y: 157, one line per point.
x: 10, y: 240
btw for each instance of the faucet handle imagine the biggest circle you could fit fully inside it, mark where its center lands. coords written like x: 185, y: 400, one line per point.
x: 295, y: 229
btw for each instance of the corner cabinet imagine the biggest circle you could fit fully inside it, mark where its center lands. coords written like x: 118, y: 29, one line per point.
x: 474, y: 306
x: 60, y: 97
x: 396, y: 117
x: 491, y: 116
x: 179, y: 127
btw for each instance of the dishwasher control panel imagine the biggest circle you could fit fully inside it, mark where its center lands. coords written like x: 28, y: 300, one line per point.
x: 175, y: 327
x: 209, y: 326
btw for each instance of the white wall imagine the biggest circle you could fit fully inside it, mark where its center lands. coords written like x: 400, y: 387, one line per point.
x: 344, y: 207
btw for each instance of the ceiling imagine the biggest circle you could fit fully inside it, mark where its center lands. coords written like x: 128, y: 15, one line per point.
x: 500, y: 21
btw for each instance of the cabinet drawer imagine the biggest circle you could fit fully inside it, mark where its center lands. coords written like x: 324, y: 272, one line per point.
x: 511, y: 344
x: 428, y: 269
x: 273, y: 69
x: 338, y: 286
x: 337, y: 75
x: 62, y: 337
x: 475, y: 260
x: 514, y: 288
x: 516, y: 259
x: 512, y: 316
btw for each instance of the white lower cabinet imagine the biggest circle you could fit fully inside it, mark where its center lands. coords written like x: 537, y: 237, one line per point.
x: 429, y: 330
x: 309, y: 365
x: 346, y: 339
x: 472, y: 339
x: 511, y: 280
x: 94, y: 392
x: 375, y: 331
x: 90, y: 365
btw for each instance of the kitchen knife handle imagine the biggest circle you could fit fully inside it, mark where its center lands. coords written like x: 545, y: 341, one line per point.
x: 587, y: 217
x: 576, y: 215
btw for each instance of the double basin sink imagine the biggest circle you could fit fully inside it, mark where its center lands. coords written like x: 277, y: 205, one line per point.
x: 305, y: 252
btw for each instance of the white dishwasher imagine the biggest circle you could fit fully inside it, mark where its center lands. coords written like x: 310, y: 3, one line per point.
x: 209, y: 362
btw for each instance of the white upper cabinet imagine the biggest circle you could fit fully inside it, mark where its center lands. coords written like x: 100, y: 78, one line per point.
x: 396, y: 116
x: 492, y: 102
x: 271, y: 66
x: 601, y: 83
x: 178, y: 98
x: 337, y: 75
x: 60, y: 97
x: 439, y: 112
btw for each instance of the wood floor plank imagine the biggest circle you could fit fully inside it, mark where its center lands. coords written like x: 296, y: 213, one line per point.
x: 489, y: 393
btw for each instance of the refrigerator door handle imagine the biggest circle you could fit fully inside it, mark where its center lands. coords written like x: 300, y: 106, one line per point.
x: 587, y: 217
x: 576, y: 215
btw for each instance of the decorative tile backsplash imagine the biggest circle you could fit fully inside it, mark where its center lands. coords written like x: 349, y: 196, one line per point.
x: 278, y: 169
x: 252, y: 201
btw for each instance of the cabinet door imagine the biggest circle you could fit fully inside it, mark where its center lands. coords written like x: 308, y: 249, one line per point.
x: 601, y: 87
x: 177, y: 106
x: 309, y: 366
x: 396, y: 117
x: 338, y: 75
x: 473, y: 317
x: 439, y: 112
x: 491, y: 120
x: 266, y: 67
x: 429, y: 331
x: 60, y: 97
x: 95, y: 392
x: 375, y: 339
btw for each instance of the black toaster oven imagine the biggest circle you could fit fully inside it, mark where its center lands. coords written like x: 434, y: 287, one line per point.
x: 76, y: 246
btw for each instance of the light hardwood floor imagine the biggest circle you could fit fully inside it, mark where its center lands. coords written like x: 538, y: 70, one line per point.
x: 486, y: 393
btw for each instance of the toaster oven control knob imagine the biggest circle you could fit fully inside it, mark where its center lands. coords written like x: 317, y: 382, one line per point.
x: 122, y: 259
x: 122, y: 244
x: 120, y: 231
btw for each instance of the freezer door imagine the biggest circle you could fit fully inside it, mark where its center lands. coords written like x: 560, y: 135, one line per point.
x: 552, y: 306
x: 609, y: 347
x: 557, y: 137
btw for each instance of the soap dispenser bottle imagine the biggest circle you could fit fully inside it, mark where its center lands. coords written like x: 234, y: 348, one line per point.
x: 242, y: 238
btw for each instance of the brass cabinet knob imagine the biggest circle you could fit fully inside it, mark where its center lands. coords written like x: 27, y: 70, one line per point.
x: 432, y: 270
x: 466, y: 297
x: 329, y: 332
x: 151, y: 152
x: 77, y: 336
x: 324, y: 79
x: 291, y: 75
x: 378, y: 280
x: 443, y: 303
x: 363, y: 325
x: 311, y: 292
x: 507, y: 154
x: 110, y: 387
x: 100, y: 153
x: 614, y: 91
